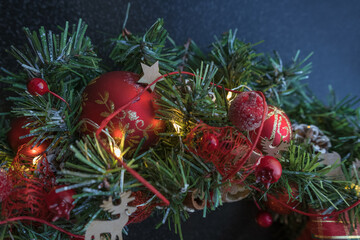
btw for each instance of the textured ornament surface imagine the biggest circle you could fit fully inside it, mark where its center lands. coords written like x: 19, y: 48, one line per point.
x: 246, y: 111
x: 111, y: 91
x: 5, y: 185
x: 60, y: 204
x: 277, y: 128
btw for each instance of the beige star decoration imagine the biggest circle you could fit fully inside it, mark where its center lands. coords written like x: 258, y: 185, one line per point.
x: 150, y: 74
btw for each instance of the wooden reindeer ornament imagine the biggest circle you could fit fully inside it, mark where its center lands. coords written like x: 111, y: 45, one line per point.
x: 114, y: 227
x: 274, y: 151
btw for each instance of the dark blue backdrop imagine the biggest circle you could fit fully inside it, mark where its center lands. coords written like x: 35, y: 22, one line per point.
x: 329, y: 28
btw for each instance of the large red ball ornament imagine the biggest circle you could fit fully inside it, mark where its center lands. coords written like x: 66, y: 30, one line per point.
x: 111, y: 91
x: 246, y: 111
x: 60, y: 204
x: 277, y: 127
x: 18, y: 130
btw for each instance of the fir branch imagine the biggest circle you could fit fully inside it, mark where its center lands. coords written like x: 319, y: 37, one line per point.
x: 130, y: 50
x: 339, y: 120
x: 59, y: 57
x: 235, y: 59
x: 282, y: 83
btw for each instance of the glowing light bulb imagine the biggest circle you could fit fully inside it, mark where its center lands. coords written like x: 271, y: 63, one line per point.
x: 117, y: 151
x: 229, y: 95
x: 36, y: 159
x: 176, y: 126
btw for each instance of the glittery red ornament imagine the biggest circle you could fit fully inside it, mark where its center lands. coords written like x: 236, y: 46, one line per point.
x: 37, y: 86
x: 246, y: 111
x: 113, y: 90
x: 228, y: 156
x: 5, y: 185
x: 144, y: 205
x: 283, y: 196
x: 60, y: 204
x: 18, y: 130
x: 264, y: 219
x: 277, y: 127
x: 268, y: 171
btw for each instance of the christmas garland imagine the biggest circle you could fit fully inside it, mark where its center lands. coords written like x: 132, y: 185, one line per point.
x: 93, y: 147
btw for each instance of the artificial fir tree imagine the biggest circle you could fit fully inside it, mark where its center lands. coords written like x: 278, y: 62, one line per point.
x: 194, y: 159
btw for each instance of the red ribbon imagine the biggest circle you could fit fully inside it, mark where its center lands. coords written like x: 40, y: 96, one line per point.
x: 40, y: 221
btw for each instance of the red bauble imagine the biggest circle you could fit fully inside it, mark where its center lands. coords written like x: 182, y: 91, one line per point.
x: 277, y: 127
x: 60, y: 204
x: 264, y: 219
x: 18, y: 130
x: 283, y: 197
x: 268, y: 171
x: 246, y: 111
x: 111, y: 91
x: 37, y: 86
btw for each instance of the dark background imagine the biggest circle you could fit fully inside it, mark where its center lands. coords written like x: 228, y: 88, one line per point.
x: 329, y: 28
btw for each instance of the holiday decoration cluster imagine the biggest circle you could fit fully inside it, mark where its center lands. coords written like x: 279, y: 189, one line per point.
x: 89, y: 146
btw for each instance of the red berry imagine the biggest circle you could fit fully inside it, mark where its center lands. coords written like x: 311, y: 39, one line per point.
x: 37, y: 86
x: 264, y: 219
x: 210, y: 142
x: 246, y: 111
x: 269, y: 170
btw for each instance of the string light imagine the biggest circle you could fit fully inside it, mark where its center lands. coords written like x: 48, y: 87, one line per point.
x: 229, y: 95
x: 36, y: 159
x: 355, y: 187
x: 117, y: 151
x: 176, y: 126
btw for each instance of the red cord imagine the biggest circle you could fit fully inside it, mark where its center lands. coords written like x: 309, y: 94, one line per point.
x: 40, y: 221
x: 305, y: 213
x: 60, y: 99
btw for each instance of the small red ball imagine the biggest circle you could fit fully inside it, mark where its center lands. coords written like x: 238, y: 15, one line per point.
x: 277, y: 127
x: 111, y: 91
x: 37, y: 86
x: 246, y: 111
x: 60, y: 204
x: 268, y: 171
x: 264, y: 219
x: 18, y: 130
x: 210, y: 142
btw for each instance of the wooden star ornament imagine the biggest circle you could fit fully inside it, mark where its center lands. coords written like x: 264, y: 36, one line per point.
x: 151, y: 73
